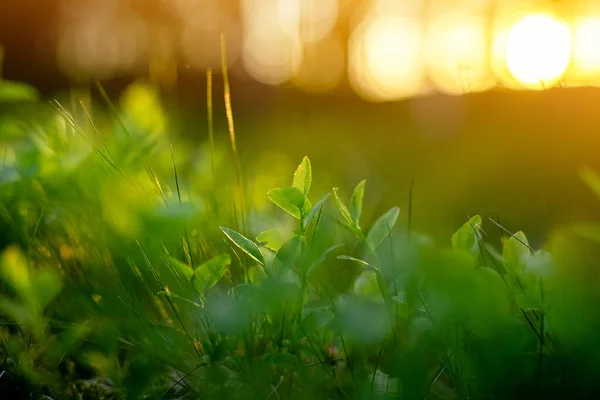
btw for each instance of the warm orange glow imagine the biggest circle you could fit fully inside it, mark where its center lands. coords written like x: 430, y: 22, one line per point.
x: 457, y: 59
x: 395, y: 48
x: 272, y: 48
x: 538, y: 50
x: 323, y: 65
x: 386, y: 60
x: 586, y: 49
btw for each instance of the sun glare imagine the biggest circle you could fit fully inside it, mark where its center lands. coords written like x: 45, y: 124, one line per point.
x: 538, y: 50
x: 586, y: 49
x: 386, y: 50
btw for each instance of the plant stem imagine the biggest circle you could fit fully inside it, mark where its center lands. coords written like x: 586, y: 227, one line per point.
x: 229, y: 113
x: 211, y: 135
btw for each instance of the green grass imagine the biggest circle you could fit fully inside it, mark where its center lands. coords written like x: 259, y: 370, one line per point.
x: 128, y: 271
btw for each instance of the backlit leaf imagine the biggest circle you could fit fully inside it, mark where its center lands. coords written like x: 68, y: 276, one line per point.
x: 210, y: 272
x: 381, y: 228
x: 342, y: 207
x: 245, y: 244
x: 467, y: 237
x: 291, y: 200
x: 273, y: 239
x: 303, y: 176
x: 181, y: 268
x: 357, y: 260
x: 516, y: 252
x: 314, y: 210
x: 356, y: 202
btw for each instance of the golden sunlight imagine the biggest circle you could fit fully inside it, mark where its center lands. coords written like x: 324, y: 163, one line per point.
x: 586, y: 49
x: 538, y: 50
x: 385, y: 59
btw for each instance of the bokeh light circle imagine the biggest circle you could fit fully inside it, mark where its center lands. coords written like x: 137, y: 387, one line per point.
x: 538, y: 50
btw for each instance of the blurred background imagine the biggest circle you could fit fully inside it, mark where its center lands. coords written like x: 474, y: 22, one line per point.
x: 487, y: 107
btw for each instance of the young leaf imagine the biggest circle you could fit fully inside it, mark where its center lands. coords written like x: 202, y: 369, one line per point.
x: 183, y: 269
x: 467, y: 237
x: 356, y: 202
x: 210, y: 272
x: 245, y: 244
x: 303, y: 176
x: 342, y: 207
x: 291, y: 200
x: 350, y: 228
x: 381, y: 228
x: 516, y: 252
x: 273, y: 239
x: 314, y: 210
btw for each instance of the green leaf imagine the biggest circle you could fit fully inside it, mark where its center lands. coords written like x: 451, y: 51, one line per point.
x: 303, y: 176
x: 342, y: 207
x: 314, y: 210
x: 11, y: 91
x: 273, y: 239
x: 540, y: 263
x: 181, y: 268
x: 381, y: 228
x: 291, y: 200
x: 350, y: 228
x: 209, y: 273
x: 245, y: 244
x: 467, y: 237
x: 516, y: 252
x: 358, y: 261
x: 366, y: 285
x: 322, y: 258
x: 399, y: 298
x: 356, y: 202
x: 591, y: 179
x: 289, y: 254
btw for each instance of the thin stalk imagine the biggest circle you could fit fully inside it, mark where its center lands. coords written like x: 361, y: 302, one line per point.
x: 229, y: 113
x: 95, y: 128
x: 410, y: 205
x: 197, y: 367
x: 434, y: 380
x: 540, y: 348
x: 185, y: 233
x: 344, y: 348
x: 162, y: 288
x: 112, y: 107
x: 211, y: 136
x: 211, y: 128
x: 376, y: 365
